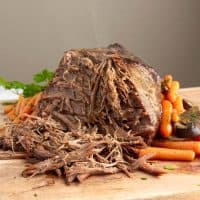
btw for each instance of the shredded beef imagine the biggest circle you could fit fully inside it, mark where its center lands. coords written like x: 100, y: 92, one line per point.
x: 101, y: 106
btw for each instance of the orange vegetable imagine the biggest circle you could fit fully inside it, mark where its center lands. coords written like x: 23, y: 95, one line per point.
x: 28, y: 108
x: 168, y: 80
x: 11, y: 115
x: 23, y: 104
x: 17, y: 112
x: 175, y: 86
x: 178, y: 105
x: 166, y: 106
x: 186, y: 145
x: 8, y: 108
x: 18, y: 105
x: 16, y: 120
x: 172, y: 93
x: 37, y: 98
x: 162, y: 97
x: 168, y: 154
x: 175, y: 116
x: 166, y: 130
x: 165, y: 125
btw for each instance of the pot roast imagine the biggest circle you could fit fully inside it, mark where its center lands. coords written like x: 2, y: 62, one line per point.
x: 101, y: 106
x: 107, y: 88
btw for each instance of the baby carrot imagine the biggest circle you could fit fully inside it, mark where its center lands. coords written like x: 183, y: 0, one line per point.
x: 23, y: 104
x: 28, y: 109
x: 186, y: 145
x: 18, y: 105
x: 168, y: 80
x: 11, y: 115
x: 175, y: 116
x: 166, y: 129
x: 165, y: 125
x: 37, y: 98
x: 29, y: 106
x: 16, y: 120
x: 178, y: 104
x: 168, y: 154
x: 172, y: 93
x: 8, y: 108
x: 162, y: 97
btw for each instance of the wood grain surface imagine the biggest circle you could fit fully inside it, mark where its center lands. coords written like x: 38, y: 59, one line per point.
x: 176, y: 185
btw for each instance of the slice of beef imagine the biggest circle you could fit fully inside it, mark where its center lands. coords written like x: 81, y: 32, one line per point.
x: 104, y: 87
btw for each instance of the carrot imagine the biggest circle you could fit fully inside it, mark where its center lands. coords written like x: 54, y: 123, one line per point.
x: 29, y: 106
x: 162, y: 97
x: 168, y: 154
x: 186, y: 145
x: 175, y: 116
x: 23, y: 104
x: 11, y: 115
x: 172, y: 93
x: 8, y: 108
x: 165, y: 125
x: 166, y: 130
x: 178, y: 105
x: 18, y: 105
x: 168, y: 80
x: 166, y: 106
x: 37, y: 98
x: 16, y: 120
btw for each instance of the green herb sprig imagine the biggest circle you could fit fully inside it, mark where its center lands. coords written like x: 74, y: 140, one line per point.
x: 169, y: 167
x: 39, y: 83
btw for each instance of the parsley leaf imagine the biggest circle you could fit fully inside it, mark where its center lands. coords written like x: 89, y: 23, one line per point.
x: 3, y: 82
x: 43, y: 76
x: 14, y: 84
x: 31, y: 89
x: 169, y: 167
x: 143, y: 178
x: 40, y: 82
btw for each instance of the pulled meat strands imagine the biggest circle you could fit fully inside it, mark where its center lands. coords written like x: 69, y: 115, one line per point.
x: 100, y: 107
x: 106, y: 87
x: 9, y: 155
x: 43, y: 183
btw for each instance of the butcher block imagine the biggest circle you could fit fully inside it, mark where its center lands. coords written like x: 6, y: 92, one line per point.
x: 181, y: 183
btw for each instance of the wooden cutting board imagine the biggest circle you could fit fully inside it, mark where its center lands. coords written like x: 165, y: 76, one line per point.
x: 177, y: 184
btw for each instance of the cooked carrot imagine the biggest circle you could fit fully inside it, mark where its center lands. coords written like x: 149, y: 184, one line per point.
x: 18, y: 105
x: 168, y: 154
x: 165, y: 125
x: 162, y: 97
x: 11, y: 115
x: 16, y: 120
x: 175, y: 85
x: 29, y: 106
x: 186, y: 145
x: 168, y: 80
x: 17, y: 112
x: 178, y: 105
x: 172, y: 93
x: 23, y: 104
x: 8, y: 108
x: 171, y: 96
x: 175, y: 116
x: 37, y: 98
x: 166, y: 106
x: 166, y: 130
